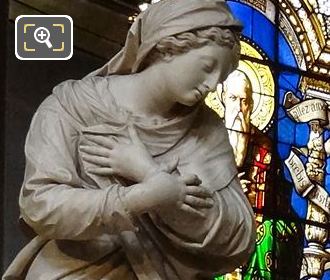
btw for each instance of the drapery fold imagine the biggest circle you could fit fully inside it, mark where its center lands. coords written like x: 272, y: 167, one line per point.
x: 61, y: 201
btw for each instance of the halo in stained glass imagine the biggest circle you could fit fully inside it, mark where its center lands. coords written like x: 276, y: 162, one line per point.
x: 263, y: 87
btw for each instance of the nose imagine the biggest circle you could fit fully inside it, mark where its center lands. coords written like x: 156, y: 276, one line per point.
x: 236, y: 105
x: 212, y: 82
x: 236, y: 108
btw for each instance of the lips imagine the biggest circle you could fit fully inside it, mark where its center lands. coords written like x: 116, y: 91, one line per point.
x: 199, y: 95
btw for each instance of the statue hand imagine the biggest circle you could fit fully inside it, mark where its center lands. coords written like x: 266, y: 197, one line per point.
x: 129, y: 160
x: 196, y: 197
x: 163, y: 190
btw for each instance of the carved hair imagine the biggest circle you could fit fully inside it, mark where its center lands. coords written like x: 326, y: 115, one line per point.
x: 183, y: 42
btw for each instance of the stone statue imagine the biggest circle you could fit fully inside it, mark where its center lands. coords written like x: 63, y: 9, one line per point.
x: 128, y: 174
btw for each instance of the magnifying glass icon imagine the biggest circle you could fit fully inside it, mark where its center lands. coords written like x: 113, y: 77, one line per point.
x: 41, y: 35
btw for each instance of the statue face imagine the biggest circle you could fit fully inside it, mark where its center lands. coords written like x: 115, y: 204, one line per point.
x: 190, y: 76
x: 238, y: 105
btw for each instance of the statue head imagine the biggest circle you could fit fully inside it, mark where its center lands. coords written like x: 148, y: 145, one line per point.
x: 194, y: 62
x: 170, y: 27
x: 185, y: 30
x: 238, y: 101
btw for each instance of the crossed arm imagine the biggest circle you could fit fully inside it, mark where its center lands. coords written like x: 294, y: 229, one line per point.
x: 57, y: 204
x: 157, y: 185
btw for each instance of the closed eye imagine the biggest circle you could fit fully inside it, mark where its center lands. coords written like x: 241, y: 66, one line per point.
x: 209, y: 65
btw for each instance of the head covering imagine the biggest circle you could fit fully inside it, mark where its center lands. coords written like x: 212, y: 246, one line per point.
x: 163, y: 19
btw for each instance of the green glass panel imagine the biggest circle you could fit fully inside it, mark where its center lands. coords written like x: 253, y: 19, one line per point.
x: 260, y: 264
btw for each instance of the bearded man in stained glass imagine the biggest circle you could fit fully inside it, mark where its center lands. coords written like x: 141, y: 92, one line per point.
x: 252, y: 149
x: 253, y: 152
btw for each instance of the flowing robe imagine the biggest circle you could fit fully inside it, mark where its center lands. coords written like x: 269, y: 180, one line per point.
x: 84, y: 230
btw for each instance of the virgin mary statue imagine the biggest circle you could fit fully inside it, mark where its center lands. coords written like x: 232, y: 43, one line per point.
x: 128, y: 174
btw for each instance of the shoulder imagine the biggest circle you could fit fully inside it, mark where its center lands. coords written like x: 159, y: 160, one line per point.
x: 209, y: 117
x: 82, y: 100
x: 208, y: 130
x: 210, y: 124
x: 87, y: 86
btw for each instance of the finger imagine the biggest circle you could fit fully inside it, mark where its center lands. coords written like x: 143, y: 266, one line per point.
x: 95, y: 150
x: 198, y: 191
x: 103, y: 141
x: 189, y: 209
x: 102, y: 161
x: 198, y: 202
x: 191, y: 179
x: 171, y: 165
x: 102, y: 171
x: 134, y: 136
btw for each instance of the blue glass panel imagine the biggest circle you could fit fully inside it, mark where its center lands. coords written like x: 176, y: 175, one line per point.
x: 281, y: 95
x: 302, y: 134
x: 288, y: 82
x: 305, y: 243
x: 281, y: 112
x: 287, y: 174
x: 256, y: 27
x: 303, y: 159
x: 326, y: 134
x: 286, y: 56
x: 299, y: 204
x: 283, y: 150
x: 286, y: 131
x: 328, y: 166
x: 327, y: 183
x: 326, y: 275
x: 262, y: 31
x: 244, y: 14
x: 264, y: 34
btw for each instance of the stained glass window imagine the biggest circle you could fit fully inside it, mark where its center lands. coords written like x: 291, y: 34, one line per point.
x: 276, y: 110
x: 282, y: 146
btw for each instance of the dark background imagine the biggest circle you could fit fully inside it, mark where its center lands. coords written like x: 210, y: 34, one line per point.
x: 100, y: 28
x: 28, y: 83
